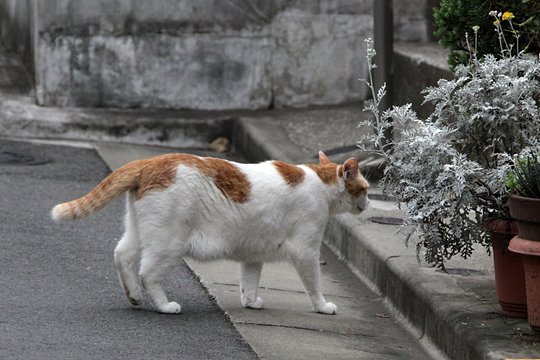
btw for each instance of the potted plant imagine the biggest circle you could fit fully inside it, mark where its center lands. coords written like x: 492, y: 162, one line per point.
x: 524, y: 201
x: 447, y: 170
x: 524, y: 184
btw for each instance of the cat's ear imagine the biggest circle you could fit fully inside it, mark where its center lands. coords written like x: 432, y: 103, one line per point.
x: 350, y: 168
x: 323, y: 159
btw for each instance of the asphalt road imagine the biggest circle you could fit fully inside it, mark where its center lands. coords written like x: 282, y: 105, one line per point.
x: 59, y: 294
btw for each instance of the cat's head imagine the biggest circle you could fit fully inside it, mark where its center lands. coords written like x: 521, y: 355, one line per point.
x: 353, y: 187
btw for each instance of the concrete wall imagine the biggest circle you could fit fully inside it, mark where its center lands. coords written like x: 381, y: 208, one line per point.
x: 205, y: 54
x: 413, y: 20
x: 16, y: 26
x: 198, y: 54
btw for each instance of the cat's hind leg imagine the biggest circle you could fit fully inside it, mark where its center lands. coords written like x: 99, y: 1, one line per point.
x: 126, y: 258
x: 250, y: 274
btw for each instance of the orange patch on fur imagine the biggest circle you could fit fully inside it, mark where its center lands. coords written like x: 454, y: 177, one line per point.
x: 355, y: 188
x: 292, y: 174
x: 119, y: 181
x: 228, y: 178
x: 160, y: 172
x: 340, y: 170
x: 327, y: 172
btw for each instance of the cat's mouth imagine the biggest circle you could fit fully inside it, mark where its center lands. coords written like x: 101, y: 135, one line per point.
x: 362, y: 207
x: 359, y: 209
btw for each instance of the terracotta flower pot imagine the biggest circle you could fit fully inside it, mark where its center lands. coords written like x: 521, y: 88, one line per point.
x: 527, y: 213
x: 509, y: 275
x: 530, y: 254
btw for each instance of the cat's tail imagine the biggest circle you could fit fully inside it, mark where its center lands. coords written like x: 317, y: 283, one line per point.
x: 119, y: 181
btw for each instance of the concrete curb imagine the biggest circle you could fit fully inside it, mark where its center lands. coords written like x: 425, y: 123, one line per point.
x: 252, y: 138
x: 439, y: 312
x: 416, y: 67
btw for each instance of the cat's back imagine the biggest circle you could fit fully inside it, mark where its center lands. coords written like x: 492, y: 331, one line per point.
x: 281, y: 187
x: 278, y: 176
x: 234, y: 178
x: 242, y: 184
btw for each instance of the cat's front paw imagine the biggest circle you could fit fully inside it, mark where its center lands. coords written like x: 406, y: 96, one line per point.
x: 170, y: 308
x: 328, y: 308
x: 257, y: 304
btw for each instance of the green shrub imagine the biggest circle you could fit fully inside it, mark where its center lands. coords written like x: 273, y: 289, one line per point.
x: 455, y: 17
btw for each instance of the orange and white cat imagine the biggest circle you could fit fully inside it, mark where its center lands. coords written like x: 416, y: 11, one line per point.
x: 183, y: 205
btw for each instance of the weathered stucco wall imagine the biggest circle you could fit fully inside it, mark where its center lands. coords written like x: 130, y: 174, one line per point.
x: 204, y: 54
x: 16, y: 28
x: 413, y: 20
x: 198, y: 54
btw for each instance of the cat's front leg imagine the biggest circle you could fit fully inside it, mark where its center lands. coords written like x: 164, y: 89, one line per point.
x: 250, y: 274
x: 308, y: 268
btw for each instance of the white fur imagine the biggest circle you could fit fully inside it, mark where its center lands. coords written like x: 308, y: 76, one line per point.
x: 60, y: 212
x: 194, y: 218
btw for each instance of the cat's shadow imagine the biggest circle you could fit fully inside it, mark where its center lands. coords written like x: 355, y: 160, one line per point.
x: 146, y: 310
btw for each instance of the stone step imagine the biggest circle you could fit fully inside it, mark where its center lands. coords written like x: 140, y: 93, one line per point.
x: 417, y: 66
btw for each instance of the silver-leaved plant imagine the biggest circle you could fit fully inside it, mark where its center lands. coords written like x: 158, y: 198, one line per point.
x: 448, y: 171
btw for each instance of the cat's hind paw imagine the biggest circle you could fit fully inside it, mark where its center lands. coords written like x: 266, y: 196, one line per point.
x: 133, y: 301
x: 135, y: 298
x: 170, y: 308
x: 328, y: 308
x: 257, y: 304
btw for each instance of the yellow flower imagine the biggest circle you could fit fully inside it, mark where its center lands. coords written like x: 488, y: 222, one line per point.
x: 496, y: 22
x: 507, y: 16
